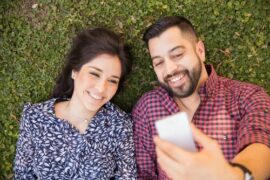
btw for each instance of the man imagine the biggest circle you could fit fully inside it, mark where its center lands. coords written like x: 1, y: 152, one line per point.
x: 231, y: 118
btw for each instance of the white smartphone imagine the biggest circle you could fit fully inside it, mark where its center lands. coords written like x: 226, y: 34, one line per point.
x: 176, y: 129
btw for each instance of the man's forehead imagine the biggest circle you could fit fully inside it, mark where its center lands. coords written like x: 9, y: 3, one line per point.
x: 166, y: 42
x: 172, y: 35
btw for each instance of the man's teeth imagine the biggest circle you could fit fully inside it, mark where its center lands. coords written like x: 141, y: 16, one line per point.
x: 177, y: 78
x: 95, y: 96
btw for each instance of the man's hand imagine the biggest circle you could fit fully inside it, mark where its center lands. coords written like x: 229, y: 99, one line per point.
x: 208, y: 164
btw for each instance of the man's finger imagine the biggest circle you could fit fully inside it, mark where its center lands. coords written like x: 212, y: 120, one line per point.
x: 169, y: 165
x: 202, y: 139
x: 172, y: 150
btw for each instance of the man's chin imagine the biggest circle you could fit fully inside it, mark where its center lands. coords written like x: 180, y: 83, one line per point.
x: 181, y: 95
x: 176, y: 92
x: 180, y: 92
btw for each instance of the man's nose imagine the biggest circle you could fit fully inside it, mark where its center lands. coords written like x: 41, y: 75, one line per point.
x: 171, y: 66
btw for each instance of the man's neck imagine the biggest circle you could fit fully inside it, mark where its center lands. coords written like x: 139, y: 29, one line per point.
x: 191, y: 103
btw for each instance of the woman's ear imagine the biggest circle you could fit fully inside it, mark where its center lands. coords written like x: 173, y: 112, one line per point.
x: 73, y: 74
x: 200, y: 50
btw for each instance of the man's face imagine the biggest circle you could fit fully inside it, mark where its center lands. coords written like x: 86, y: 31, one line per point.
x: 177, y: 60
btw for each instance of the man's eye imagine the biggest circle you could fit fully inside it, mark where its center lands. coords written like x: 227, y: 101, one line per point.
x: 177, y: 55
x: 158, y: 64
x: 94, y: 74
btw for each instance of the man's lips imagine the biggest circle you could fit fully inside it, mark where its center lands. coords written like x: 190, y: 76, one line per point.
x: 177, y: 79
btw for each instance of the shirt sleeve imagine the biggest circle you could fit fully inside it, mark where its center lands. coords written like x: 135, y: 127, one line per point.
x: 255, y: 122
x: 144, y: 146
x: 23, y: 164
x: 125, y: 156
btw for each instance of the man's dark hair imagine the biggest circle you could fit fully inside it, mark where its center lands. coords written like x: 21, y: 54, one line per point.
x: 167, y: 22
x: 86, y: 46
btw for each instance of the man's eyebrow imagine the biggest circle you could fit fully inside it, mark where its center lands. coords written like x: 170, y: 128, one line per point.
x: 176, y: 47
x: 155, y: 57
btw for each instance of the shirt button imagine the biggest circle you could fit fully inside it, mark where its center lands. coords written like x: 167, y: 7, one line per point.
x: 225, y: 137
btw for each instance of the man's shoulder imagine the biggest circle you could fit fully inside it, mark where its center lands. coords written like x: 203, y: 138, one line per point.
x: 151, y: 101
x: 238, y: 85
x: 152, y: 96
x: 239, y: 88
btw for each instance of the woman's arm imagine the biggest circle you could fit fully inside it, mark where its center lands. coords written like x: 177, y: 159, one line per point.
x: 125, y: 156
x: 23, y: 164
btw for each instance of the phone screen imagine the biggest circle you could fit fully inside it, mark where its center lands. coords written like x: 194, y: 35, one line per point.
x: 176, y: 129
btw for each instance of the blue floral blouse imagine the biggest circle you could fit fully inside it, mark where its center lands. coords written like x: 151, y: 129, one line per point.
x: 51, y: 148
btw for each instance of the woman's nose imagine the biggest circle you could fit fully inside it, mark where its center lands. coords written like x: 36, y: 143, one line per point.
x: 101, y: 86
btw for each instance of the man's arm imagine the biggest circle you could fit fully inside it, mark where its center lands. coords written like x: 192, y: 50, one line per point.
x: 144, y: 146
x: 254, y: 133
x: 256, y: 157
x: 210, y: 163
x: 252, y: 145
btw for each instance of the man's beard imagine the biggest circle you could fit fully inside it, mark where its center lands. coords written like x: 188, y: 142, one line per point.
x: 189, y: 86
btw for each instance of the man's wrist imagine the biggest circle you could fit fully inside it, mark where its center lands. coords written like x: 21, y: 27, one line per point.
x: 236, y: 173
x: 246, y: 173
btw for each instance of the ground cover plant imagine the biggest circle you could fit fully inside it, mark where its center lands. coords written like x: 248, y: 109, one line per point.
x: 35, y: 35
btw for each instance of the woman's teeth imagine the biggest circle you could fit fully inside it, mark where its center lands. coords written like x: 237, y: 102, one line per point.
x: 95, y: 96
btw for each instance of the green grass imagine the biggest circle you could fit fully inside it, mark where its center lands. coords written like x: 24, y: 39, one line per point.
x: 33, y: 43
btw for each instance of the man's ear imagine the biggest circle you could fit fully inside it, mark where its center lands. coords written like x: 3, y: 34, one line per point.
x: 200, y: 50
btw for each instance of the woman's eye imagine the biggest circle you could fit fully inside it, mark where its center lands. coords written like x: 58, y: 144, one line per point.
x: 113, y: 81
x: 94, y: 74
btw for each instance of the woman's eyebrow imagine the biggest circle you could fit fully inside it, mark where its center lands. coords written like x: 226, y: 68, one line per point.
x: 92, y: 67
x: 117, y: 77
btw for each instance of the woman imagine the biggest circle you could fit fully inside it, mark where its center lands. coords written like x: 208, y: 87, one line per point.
x: 79, y: 133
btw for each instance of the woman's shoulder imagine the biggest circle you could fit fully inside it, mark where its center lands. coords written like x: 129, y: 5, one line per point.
x: 120, y: 120
x: 33, y: 109
x: 117, y: 115
x: 34, y: 113
x: 113, y: 109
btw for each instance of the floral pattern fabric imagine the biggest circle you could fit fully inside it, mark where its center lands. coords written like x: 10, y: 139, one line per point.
x: 51, y: 148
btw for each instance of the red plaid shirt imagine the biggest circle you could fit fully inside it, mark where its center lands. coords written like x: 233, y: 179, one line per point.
x: 233, y: 113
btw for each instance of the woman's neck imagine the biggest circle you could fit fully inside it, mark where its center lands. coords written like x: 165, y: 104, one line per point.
x: 74, y: 113
x: 76, y: 110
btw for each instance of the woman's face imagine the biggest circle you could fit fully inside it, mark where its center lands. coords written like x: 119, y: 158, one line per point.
x: 97, y: 81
